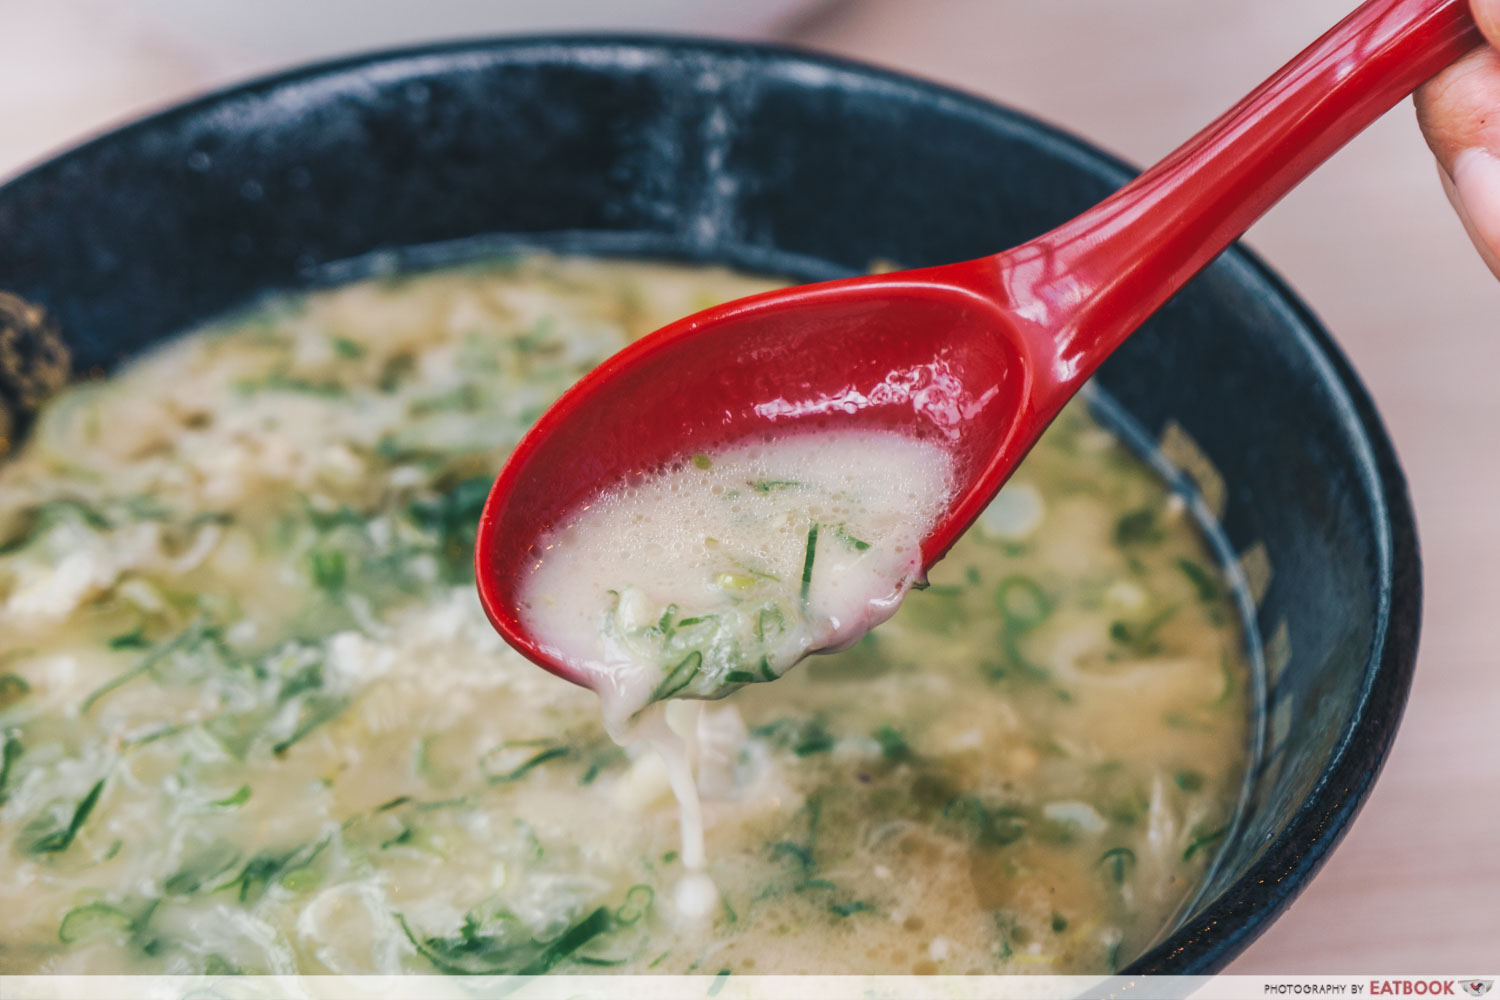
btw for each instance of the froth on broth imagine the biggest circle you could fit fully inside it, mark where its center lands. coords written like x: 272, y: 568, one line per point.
x: 253, y: 718
x: 727, y: 568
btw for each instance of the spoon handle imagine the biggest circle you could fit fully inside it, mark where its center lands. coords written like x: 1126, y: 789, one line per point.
x: 1095, y: 279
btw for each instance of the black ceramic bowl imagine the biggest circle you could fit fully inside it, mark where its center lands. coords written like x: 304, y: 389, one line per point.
x: 790, y: 163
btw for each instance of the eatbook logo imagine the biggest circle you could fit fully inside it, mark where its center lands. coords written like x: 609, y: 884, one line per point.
x: 1477, y: 987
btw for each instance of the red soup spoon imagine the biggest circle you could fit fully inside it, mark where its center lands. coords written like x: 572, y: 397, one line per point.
x: 981, y: 354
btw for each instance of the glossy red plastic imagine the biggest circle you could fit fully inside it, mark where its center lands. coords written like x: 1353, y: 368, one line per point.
x: 981, y: 354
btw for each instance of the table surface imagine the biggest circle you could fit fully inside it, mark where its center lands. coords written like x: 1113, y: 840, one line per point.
x: 1369, y: 241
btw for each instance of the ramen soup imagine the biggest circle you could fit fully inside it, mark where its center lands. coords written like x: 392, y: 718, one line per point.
x: 253, y: 718
x: 727, y: 569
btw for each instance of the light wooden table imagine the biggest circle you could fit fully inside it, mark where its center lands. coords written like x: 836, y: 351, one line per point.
x: 1371, y: 244
x: 1369, y: 241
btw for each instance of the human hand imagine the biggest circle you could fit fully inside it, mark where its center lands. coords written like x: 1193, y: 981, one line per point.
x: 1459, y: 111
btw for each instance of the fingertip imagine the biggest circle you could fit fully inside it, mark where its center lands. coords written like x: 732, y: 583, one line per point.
x: 1473, y: 186
x: 1487, y: 16
x: 1459, y: 108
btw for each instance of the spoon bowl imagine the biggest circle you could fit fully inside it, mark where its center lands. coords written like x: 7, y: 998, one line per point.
x: 980, y: 354
x: 922, y: 354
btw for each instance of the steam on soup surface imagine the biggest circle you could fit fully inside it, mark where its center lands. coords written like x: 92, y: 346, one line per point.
x: 254, y: 719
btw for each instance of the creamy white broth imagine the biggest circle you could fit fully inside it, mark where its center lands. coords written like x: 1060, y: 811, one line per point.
x: 253, y: 717
x: 732, y: 565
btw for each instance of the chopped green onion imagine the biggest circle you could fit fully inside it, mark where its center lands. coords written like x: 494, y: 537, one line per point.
x: 807, y: 560
x: 849, y: 909
x: 993, y: 826
x: 1141, y: 639
x: 10, y: 752
x: 328, y: 569
x: 239, y: 798
x: 893, y: 745
x: 93, y: 918
x: 346, y: 348
x: 57, y: 841
x: 637, y: 901
x: 664, y: 623
x: 769, y: 615
x: 268, y: 866
x: 474, y: 954
x: 1022, y: 602
x: 134, y: 639
x: 814, y: 739
x: 404, y: 837
x: 202, y: 867
x: 1137, y: 527
x: 1201, y: 578
x: 769, y: 485
x: 1203, y: 840
x: 680, y: 677
x: 607, y: 758
x: 282, y: 382
x: 13, y: 688
x: 320, y: 710
x: 1117, y: 861
x: 189, y: 636
x: 857, y: 544
x: 703, y: 461
x: 521, y: 770
x: 1231, y: 674
x: 796, y: 852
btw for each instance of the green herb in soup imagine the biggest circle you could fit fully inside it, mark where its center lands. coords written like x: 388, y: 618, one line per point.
x: 252, y: 718
x: 726, y: 570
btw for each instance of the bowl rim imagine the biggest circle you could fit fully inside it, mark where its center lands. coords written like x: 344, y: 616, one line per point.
x: 1227, y: 923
